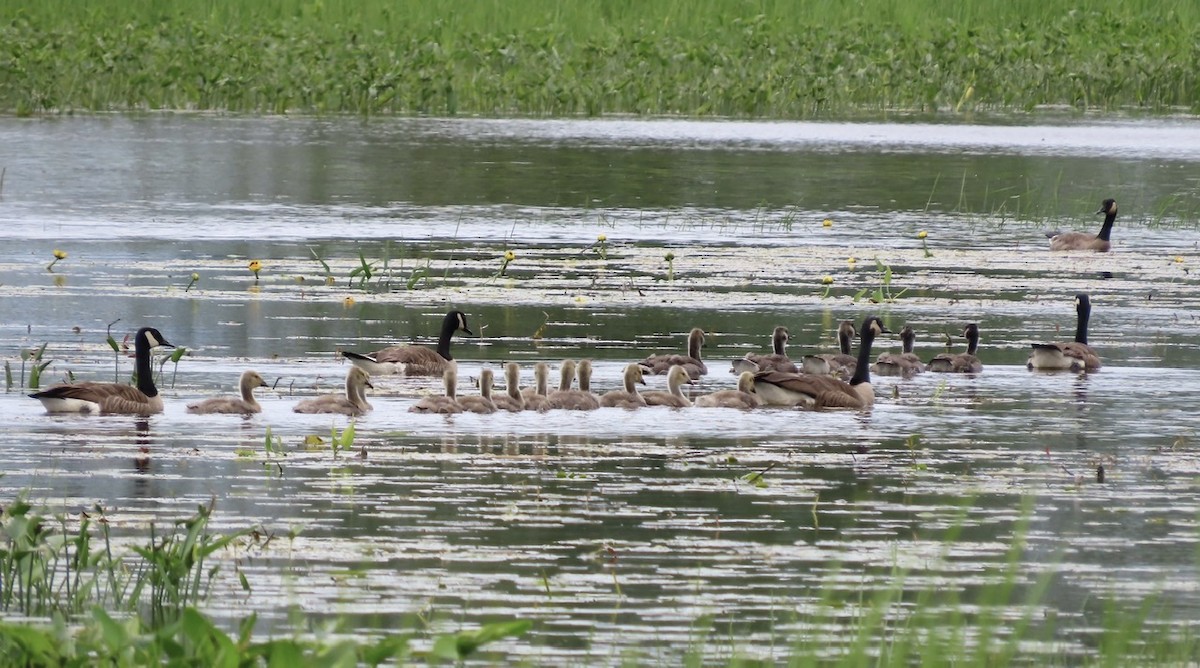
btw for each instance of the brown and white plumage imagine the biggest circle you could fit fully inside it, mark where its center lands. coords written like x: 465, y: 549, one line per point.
x: 660, y: 364
x: 677, y: 377
x: 960, y: 362
x: 841, y: 363
x: 566, y: 398
x: 628, y: 396
x: 1061, y: 241
x: 512, y: 400
x: 480, y: 403
x: 822, y: 391
x: 776, y: 361
x: 906, y: 363
x: 1074, y: 355
x: 743, y: 397
x: 243, y: 405
x: 112, y: 398
x: 414, y: 360
x: 536, y: 397
x: 447, y: 403
x: 352, y: 403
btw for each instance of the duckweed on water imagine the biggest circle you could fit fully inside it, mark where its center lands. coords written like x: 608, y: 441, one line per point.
x: 770, y: 58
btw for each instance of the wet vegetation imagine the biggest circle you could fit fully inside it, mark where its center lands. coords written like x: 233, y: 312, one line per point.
x: 769, y: 58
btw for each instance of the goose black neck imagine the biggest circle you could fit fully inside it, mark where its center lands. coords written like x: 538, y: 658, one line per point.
x: 907, y: 339
x: 972, y: 342
x: 1081, y: 325
x: 145, y: 373
x: 443, y: 347
x: 1106, y: 229
x: 862, y: 372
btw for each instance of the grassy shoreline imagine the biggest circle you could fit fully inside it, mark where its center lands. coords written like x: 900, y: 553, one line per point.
x: 729, y: 58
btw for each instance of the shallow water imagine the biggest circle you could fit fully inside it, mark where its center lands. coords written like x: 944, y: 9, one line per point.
x: 621, y: 533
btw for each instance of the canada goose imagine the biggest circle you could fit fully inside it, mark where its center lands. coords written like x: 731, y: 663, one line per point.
x: 480, y: 403
x: 820, y: 391
x: 841, y: 363
x: 535, y: 397
x: 414, y: 360
x: 447, y: 403
x: 352, y: 403
x: 1082, y: 240
x: 660, y: 364
x: 904, y: 364
x: 512, y: 400
x: 961, y: 362
x: 566, y: 398
x: 776, y: 361
x: 673, y: 397
x: 1076, y: 355
x: 92, y: 397
x: 627, y: 397
x: 742, y: 397
x: 243, y: 405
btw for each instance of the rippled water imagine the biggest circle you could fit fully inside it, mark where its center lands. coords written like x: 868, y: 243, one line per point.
x: 622, y: 534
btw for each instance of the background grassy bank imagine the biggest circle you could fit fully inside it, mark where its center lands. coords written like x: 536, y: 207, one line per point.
x: 764, y: 58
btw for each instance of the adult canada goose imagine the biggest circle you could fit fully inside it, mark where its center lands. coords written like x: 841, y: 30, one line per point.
x: 566, y: 398
x: 1060, y: 241
x: 243, y: 405
x: 906, y: 363
x: 447, y: 403
x: 629, y: 396
x: 776, y: 361
x: 841, y: 363
x: 535, y: 397
x: 821, y: 391
x: 660, y: 364
x: 118, y: 398
x: 480, y: 403
x: 961, y: 362
x: 673, y: 397
x: 1076, y: 355
x: 414, y: 360
x: 352, y: 403
x: 742, y: 397
x: 512, y: 400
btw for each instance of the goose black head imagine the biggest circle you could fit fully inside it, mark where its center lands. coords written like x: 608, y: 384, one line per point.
x: 1108, y: 207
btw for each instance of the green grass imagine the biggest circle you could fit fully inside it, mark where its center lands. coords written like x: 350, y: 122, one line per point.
x: 742, y: 58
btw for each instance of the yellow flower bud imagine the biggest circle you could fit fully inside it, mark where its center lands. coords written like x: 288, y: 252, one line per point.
x: 922, y: 234
x: 827, y: 223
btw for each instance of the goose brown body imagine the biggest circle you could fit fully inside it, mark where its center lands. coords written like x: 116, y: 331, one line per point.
x: 446, y: 404
x: 512, y: 400
x: 536, y: 398
x: 628, y: 396
x: 1074, y: 355
x: 906, y: 363
x: 112, y: 398
x: 414, y: 360
x: 660, y: 364
x: 566, y: 398
x: 823, y: 391
x: 245, y: 404
x: 841, y: 363
x: 742, y: 397
x: 1063, y: 241
x: 677, y: 377
x: 352, y: 403
x: 481, y: 403
x: 966, y: 362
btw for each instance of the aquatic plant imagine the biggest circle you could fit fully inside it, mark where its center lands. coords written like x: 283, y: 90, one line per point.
x: 34, y: 355
x: 827, y: 281
x: 670, y: 259
x: 882, y: 292
x: 923, y: 235
x: 194, y: 279
x: 255, y: 266
x: 58, y: 255
x: 505, y: 260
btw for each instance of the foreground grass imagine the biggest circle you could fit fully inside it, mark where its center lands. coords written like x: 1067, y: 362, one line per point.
x: 749, y: 58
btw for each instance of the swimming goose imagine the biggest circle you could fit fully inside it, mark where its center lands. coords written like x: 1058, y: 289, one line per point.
x: 841, y: 363
x: 627, y: 397
x: 904, y: 364
x: 414, y: 360
x: 118, y: 398
x: 821, y: 391
x: 480, y: 403
x: 673, y: 397
x: 244, y: 405
x: 961, y: 362
x: 512, y: 400
x: 566, y: 398
x: 1076, y: 355
x: 742, y: 397
x: 535, y: 397
x: 776, y: 361
x: 352, y: 403
x: 1082, y: 240
x: 445, y: 404
x: 660, y: 364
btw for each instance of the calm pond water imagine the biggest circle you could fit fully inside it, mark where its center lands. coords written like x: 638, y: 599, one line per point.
x: 624, y: 535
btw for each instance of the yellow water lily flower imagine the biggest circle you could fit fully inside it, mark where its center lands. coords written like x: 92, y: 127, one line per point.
x: 58, y: 255
x: 255, y: 267
x: 827, y: 280
x: 601, y: 238
x: 922, y: 234
x: 827, y: 223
